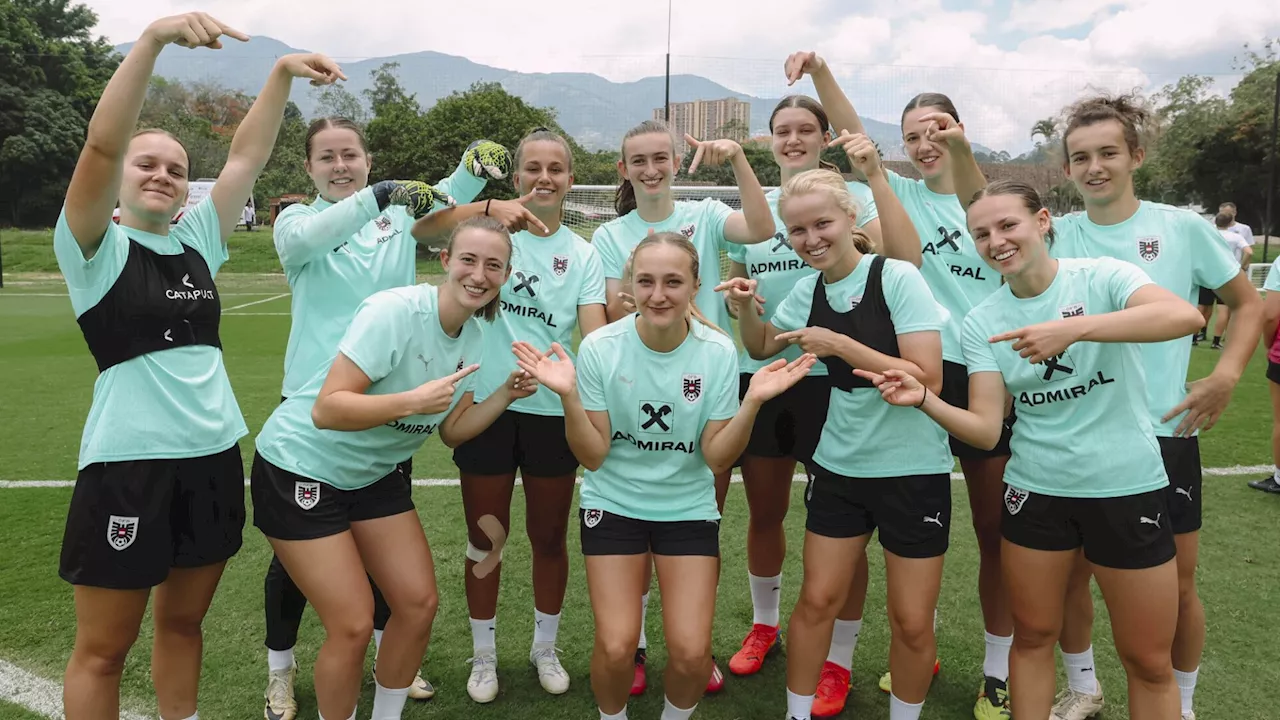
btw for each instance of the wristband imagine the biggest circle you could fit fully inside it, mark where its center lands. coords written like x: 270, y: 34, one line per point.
x: 486, y: 205
x: 926, y: 397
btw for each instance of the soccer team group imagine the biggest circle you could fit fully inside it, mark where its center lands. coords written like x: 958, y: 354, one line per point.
x: 889, y: 326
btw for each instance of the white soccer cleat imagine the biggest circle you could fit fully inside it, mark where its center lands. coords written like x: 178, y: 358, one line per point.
x: 482, y: 686
x: 1075, y: 705
x: 421, y: 689
x: 550, y: 672
x: 280, y: 703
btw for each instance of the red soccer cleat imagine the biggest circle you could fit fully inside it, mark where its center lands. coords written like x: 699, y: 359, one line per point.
x: 639, y: 683
x: 761, y: 642
x: 833, y: 691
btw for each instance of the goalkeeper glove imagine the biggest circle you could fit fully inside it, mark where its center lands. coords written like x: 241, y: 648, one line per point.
x: 487, y: 158
x: 418, y: 198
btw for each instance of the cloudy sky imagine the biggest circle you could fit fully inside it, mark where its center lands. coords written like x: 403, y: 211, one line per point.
x: 1006, y: 63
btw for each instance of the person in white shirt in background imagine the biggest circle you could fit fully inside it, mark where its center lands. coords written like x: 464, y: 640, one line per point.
x: 1242, y: 249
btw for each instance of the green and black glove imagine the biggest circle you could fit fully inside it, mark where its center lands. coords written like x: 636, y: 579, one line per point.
x: 485, y: 158
x: 418, y: 198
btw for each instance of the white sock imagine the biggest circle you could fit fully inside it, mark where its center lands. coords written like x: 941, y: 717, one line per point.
x: 620, y: 716
x: 799, y: 707
x: 377, y: 643
x: 644, y: 612
x: 353, y: 715
x: 1186, y: 687
x: 671, y: 712
x: 193, y: 717
x: 899, y: 710
x: 484, y: 635
x: 388, y: 704
x: 766, y: 597
x: 1080, y: 674
x: 1277, y: 474
x: 996, y: 663
x: 279, y: 659
x: 844, y: 639
x: 545, y: 627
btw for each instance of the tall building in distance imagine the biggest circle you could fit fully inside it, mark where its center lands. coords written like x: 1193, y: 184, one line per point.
x: 709, y: 120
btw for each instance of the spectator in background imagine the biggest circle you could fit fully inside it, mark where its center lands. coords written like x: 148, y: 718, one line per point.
x: 1242, y: 251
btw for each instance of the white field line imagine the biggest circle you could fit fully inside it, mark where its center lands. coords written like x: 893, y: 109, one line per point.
x: 27, y: 294
x: 737, y: 478
x: 41, y: 696
x: 256, y: 302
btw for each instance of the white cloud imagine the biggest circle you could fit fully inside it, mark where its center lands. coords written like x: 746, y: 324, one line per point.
x: 884, y: 51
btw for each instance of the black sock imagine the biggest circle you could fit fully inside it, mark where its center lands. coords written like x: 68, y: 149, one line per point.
x: 1217, y: 339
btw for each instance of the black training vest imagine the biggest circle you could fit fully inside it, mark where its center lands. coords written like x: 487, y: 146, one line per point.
x: 869, y: 323
x: 158, y: 302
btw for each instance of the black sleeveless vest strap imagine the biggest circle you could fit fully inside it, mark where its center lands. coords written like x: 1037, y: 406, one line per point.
x: 869, y: 323
x: 158, y: 302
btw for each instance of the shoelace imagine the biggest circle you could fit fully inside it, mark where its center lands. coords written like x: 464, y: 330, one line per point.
x: 757, y: 643
x: 830, y: 681
x: 278, y: 689
x: 485, y: 666
x: 548, y: 655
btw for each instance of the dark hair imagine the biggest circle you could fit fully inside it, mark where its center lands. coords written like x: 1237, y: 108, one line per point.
x: 624, y: 200
x: 1222, y: 220
x: 804, y: 102
x: 1029, y: 196
x: 931, y: 100
x: 334, y: 122
x: 677, y: 240
x: 1124, y: 109
x: 166, y: 133
x: 491, y: 224
x: 1228, y: 206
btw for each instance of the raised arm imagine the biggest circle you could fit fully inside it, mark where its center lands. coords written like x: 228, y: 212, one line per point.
x: 899, y: 238
x: 836, y: 104
x: 965, y: 171
x: 754, y: 222
x: 95, y: 183
x: 256, y: 136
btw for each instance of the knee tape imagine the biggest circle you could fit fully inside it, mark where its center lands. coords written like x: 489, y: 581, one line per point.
x: 487, y: 560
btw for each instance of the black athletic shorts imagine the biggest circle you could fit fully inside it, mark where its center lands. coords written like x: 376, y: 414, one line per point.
x: 606, y: 533
x: 1273, y: 372
x: 535, y: 444
x: 1126, y: 533
x: 1182, y: 465
x: 912, y: 512
x: 1208, y: 297
x: 955, y: 391
x: 287, y: 506
x: 791, y: 424
x: 131, y: 521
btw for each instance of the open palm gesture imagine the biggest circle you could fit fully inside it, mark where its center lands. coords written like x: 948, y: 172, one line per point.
x: 778, y: 376
x: 557, y: 375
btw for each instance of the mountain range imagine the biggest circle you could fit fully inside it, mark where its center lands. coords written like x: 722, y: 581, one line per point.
x: 595, y: 111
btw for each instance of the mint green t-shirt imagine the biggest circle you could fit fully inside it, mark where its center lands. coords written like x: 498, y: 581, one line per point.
x: 550, y: 279
x: 952, y: 266
x: 777, y: 268
x: 1083, y: 429
x: 658, y: 405
x: 396, y: 340
x: 864, y: 436
x: 173, y: 403
x: 1179, y: 251
x: 337, y: 254
x: 702, y: 222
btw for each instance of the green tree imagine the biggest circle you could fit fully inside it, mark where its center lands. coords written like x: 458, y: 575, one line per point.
x: 285, y: 172
x: 397, y: 131
x: 52, y: 72
x: 336, y: 101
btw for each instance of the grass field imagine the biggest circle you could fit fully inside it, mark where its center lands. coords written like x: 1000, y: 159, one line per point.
x: 48, y: 377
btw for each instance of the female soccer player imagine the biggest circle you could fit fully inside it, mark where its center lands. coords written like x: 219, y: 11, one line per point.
x: 652, y: 412
x: 160, y: 475
x: 874, y: 466
x: 1270, y: 337
x: 327, y: 485
x: 1062, y: 338
x: 349, y: 243
x: 556, y: 285
x: 645, y: 204
x: 959, y: 279
x: 1179, y: 250
x: 788, y: 426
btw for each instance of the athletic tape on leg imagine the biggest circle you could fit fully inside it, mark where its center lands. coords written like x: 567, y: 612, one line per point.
x: 497, y: 535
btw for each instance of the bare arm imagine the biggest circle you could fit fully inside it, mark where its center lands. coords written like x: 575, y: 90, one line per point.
x: 980, y: 425
x: 1270, y: 317
x: 344, y: 405
x: 256, y: 136
x: 469, y: 418
x: 511, y: 213
x: 591, y: 318
x: 1245, y: 322
x: 839, y: 110
x: 754, y: 222
x: 876, y: 233
x: 588, y: 432
x: 723, y: 441
x: 617, y: 307
x: 898, y: 234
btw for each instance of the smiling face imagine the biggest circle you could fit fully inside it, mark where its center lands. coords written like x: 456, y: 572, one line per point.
x: 338, y: 163
x: 931, y: 160
x: 154, y: 184
x: 648, y: 161
x: 544, y: 169
x: 664, y: 283
x: 477, y: 263
x: 1100, y: 162
x: 821, y: 231
x: 798, y: 139
x: 1008, y: 235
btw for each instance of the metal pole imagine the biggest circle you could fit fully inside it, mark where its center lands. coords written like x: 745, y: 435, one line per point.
x: 1, y: 268
x: 666, y: 112
x: 1271, y: 180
